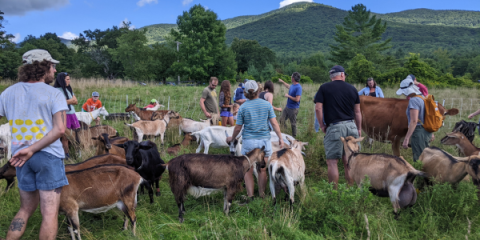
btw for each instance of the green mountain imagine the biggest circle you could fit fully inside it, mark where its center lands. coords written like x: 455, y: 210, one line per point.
x: 310, y: 27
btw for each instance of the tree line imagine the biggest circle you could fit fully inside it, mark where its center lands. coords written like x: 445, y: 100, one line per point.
x: 360, y: 46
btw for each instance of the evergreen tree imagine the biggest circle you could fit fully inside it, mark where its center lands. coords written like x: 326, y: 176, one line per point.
x: 361, y: 33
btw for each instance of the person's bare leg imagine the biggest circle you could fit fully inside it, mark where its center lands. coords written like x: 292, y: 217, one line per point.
x: 262, y: 180
x: 333, y: 172
x: 249, y: 182
x: 231, y: 121
x: 49, y: 203
x: 224, y: 121
x: 28, y: 205
x: 347, y: 169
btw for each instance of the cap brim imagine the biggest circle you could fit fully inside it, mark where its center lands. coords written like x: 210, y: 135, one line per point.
x: 54, y: 61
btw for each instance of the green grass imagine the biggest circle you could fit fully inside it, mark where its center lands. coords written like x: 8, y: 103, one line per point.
x: 441, y: 212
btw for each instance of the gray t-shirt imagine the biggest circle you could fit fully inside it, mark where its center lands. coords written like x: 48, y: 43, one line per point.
x: 419, y: 104
x: 70, y: 95
x: 210, y: 97
x: 29, y: 108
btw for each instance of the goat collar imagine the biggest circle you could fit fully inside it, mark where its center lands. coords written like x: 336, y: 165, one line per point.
x: 249, y: 162
x: 351, y: 155
x: 91, y: 115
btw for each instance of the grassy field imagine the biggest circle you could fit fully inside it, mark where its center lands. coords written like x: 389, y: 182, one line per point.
x: 441, y: 212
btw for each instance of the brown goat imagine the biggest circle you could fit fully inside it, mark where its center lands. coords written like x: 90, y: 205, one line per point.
x: 8, y: 172
x: 442, y: 166
x: 98, y: 190
x: 201, y: 174
x: 463, y: 144
x: 145, y: 114
x: 105, y: 145
x: 83, y: 138
x: 387, y: 173
x: 173, y: 150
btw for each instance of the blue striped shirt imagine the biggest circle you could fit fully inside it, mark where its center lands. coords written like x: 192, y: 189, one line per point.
x: 254, y: 116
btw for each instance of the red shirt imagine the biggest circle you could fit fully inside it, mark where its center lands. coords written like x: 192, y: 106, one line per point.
x: 423, y: 89
x: 89, y: 105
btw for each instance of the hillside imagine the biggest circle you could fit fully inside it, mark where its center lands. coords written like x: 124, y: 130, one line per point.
x: 310, y: 27
x: 422, y: 16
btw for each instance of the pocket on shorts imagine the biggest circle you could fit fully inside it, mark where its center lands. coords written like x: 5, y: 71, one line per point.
x: 352, y: 130
x: 333, y: 134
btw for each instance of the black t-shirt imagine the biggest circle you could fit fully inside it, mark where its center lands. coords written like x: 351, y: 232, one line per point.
x: 339, y: 99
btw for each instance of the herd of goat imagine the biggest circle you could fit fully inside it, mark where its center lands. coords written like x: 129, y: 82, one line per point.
x: 121, y: 166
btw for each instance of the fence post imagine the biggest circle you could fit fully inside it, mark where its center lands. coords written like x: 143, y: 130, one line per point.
x: 127, y: 100
x: 168, y: 108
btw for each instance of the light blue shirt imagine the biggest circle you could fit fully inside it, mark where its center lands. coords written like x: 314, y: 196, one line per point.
x: 70, y: 95
x: 254, y: 116
x: 366, y: 92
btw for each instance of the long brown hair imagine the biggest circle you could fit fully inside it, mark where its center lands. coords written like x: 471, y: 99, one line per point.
x: 225, y: 88
x: 269, y: 86
x: 35, y: 71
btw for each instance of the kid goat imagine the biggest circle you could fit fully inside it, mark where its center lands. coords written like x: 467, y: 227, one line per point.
x: 387, y: 173
x: 201, y: 175
x: 152, y: 128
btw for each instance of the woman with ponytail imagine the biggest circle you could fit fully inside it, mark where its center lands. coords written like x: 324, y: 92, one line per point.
x: 225, y: 103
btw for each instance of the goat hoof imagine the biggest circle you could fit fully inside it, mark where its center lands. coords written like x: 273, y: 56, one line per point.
x: 181, y: 220
x: 158, y: 194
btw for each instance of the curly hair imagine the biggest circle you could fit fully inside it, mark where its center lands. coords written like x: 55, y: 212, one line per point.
x: 225, y: 88
x: 34, y: 72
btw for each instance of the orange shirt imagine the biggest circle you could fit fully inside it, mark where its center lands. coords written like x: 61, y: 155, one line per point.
x: 90, y: 105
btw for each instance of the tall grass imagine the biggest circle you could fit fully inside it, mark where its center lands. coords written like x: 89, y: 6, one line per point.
x: 441, y: 211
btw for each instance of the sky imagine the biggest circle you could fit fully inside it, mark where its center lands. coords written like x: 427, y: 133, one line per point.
x: 69, y: 18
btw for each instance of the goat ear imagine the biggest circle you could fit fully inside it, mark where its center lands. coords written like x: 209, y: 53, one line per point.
x: 342, y: 139
x: 95, y: 138
x: 226, y: 133
x: 451, y: 112
x: 359, y: 139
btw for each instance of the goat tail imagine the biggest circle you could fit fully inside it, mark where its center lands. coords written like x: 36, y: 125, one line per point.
x: 276, y: 171
x: 414, y: 173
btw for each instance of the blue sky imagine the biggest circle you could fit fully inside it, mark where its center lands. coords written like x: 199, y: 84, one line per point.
x: 68, y: 18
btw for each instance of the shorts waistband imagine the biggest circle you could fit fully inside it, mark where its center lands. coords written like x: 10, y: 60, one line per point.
x: 341, y: 122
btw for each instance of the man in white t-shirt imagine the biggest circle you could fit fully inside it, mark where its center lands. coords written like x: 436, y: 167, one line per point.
x: 36, y: 114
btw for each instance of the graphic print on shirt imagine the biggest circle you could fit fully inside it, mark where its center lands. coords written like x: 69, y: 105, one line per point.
x: 28, y: 130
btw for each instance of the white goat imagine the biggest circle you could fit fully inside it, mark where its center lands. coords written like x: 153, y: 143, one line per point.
x: 88, y: 117
x: 215, y: 137
x: 6, y: 137
x: 287, y: 169
x: 189, y: 126
x: 152, y: 128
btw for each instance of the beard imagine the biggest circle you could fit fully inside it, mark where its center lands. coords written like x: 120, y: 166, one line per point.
x: 49, y: 78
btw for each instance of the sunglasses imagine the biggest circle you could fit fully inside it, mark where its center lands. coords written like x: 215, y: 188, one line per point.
x: 54, y: 66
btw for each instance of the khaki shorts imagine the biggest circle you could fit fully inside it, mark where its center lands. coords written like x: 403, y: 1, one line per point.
x: 332, y: 143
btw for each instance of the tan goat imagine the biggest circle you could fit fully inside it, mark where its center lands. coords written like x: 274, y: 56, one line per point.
x: 442, y: 166
x: 152, y: 128
x: 98, y: 190
x: 286, y: 169
x: 463, y: 144
x: 387, y: 173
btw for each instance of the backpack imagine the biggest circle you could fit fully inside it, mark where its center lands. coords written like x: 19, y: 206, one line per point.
x: 238, y: 94
x: 433, y: 117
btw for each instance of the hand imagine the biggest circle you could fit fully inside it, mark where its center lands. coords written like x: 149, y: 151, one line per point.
x: 470, y: 116
x: 405, y: 143
x: 74, y: 100
x: 359, y: 132
x: 286, y: 95
x: 208, y: 115
x: 229, y: 139
x: 21, y: 157
x: 280, y: 81
x: 433, y: 138
x: 324, y: 128
x: 280, y: 142
x: 280, y: 109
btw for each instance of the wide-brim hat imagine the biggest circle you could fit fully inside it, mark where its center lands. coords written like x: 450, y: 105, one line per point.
x: 407, y: 87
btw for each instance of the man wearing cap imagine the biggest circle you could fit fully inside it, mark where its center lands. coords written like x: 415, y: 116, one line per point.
x: 152, y: 104
x: 92, y: 104
x: 337, y: 106
x: 239, y: 94
x: 416, y: 134
x: 254, y: 116
x: 293, y: 103
x: 208, y: 101
x: 36, y: 114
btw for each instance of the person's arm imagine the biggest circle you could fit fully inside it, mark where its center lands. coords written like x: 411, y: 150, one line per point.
x: 202, y: 106
x: 474, y: 114
x: 72, y: 101
x: 269, y: 97
x: 284, y: 83
x: 411, y: 126
x: 59, y: 126
x: 298, y: 93
x: 319, y: 114
x: 358, y: 119
x: 236, y: 131
x: 380, y: 93
x: 241, y: 101
x: 361, y: 92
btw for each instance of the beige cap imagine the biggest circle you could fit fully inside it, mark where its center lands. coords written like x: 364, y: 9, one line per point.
x: 37, y: 55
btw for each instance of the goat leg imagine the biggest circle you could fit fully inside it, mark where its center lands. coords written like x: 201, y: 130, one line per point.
x: 157, y: 184
x: 10, y: 182
x: 181, y: 210
x: 150, y: 190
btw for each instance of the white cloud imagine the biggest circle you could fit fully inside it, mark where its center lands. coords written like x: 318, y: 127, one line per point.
x: 126, y: 20
x: 288, y: 2
x: 69, y: 35
x: 20, y: 7
x: 142, y: 3
x: 16, y: 38
x: 186, y: 2
x: 206, y: 7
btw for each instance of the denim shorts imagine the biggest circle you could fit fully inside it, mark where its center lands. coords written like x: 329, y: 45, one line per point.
x: 43, y: 171
x: 226, y: 114
x: 250, y: 144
